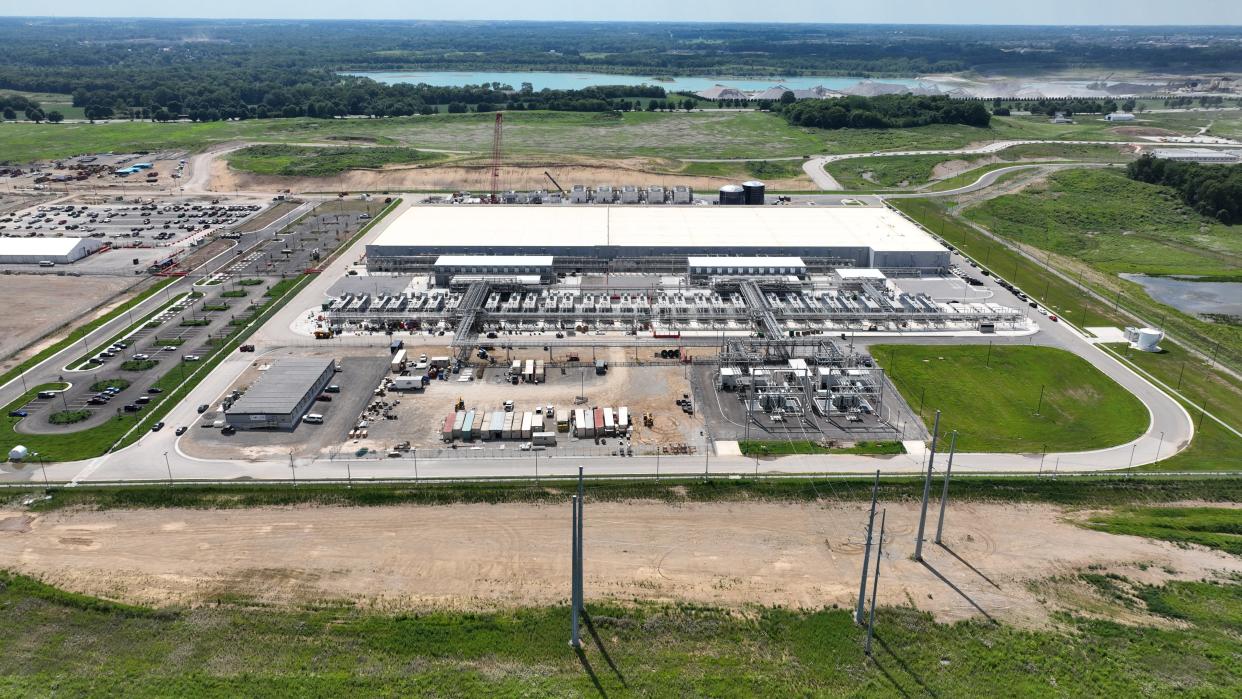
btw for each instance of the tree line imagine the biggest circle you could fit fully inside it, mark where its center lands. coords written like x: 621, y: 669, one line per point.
x: 1212, y: 190
x: 883, y: 112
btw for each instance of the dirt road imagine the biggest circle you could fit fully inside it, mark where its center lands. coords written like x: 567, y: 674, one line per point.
x: 1002, y: 561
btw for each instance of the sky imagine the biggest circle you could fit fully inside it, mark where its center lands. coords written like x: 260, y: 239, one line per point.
x: 1072, y: 12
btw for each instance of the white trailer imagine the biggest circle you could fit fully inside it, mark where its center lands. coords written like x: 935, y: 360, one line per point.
x: 467, y: 426
x: 398, y: 362
x: 458, y: 421
x: 509, y: 420
x: 528, y: 372
x: 623, y: 420
x: 407, y: 383
x: 540, y: 375
x: 537, y: 423
x: 543, y: 439
x: 527, y: 419
x: 610, y: 426
x: 476, y: 428
x: 515, y: 369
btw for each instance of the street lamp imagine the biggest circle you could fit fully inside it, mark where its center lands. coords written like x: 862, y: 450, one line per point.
x: 169, y: 467
x: 42, y: 467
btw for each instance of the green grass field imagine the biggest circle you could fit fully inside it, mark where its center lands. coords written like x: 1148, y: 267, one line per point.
x: 1214, y: 448
x: 81, y: 645
x: 708, y: 134
x: 1117, y: 225
x: 1214, y: 527
x: 312, y: 161
x: 991, y: 398
x: 914, y: 171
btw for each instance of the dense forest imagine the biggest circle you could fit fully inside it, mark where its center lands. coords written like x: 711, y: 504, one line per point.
x: 885, y: 112
x: 220, y: 69
x: 1212, y: 190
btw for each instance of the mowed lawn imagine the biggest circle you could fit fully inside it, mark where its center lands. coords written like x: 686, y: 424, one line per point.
x: 992, y: 402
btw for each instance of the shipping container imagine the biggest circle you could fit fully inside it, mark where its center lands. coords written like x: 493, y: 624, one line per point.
x: 447, y: 432
x: 507, y: 432
x: 543, y: 439
x: 467, y: 425
x: 515, y: 369
x: 537, y: 423
x: 486, y: 431
x: 458, y: 418
x: 598, y: 419
x: 528, y: 372
x: 540, y: 376
x: 623, y: 420
x: 610, y: 427
x: 527, y: 419
x: 562, y: 419
x: 476, y: 428
x: 439, y: 362
x: 497, y: 428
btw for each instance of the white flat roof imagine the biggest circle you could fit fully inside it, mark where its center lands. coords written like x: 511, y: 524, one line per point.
x: 494, y: 260
x: 724, y: 261
x: 859, y: 273
x: 40, y: 246
x: 876, y: 228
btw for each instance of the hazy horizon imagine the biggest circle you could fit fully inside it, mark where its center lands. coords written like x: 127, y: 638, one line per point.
x: 1067, y: 13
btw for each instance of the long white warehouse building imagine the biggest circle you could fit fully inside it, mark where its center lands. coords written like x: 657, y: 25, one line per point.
x: 32, y: 251
x: 629, y: 237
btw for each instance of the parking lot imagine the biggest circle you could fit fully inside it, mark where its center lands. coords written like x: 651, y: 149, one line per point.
x: 357, y: 380
x: 139, y: 233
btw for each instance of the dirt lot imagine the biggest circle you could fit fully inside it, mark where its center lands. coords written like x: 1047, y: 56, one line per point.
x: 475, y: 177
x: 1001, y: 563
x: 639, y: 388
x: 49, y: 303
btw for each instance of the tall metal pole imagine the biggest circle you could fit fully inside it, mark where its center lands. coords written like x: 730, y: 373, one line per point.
x: 862, y: 583
x: 944, y: 495
x: 574, y: 640
x: 875, y: 582
x: 918, y: 544
x: 581, y: 543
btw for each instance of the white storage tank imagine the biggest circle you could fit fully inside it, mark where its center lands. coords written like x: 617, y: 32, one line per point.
x: 683, y: 194
x: 18, y: 453
x: 1146, y: 339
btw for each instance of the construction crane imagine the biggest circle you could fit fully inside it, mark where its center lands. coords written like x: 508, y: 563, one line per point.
x: 497, y: 141
x: 552, y: 179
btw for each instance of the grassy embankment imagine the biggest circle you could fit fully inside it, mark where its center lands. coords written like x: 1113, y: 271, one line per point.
x: 1214, y: 527
x: 1075, y: 492
x: 323, y: 161
x: 1214, y: 447
x: 87, y: 646
x: 1110, y: 224
x: 991, y: 396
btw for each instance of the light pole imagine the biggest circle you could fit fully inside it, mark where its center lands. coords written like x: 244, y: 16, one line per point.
x: 42, y: 468
x: 168, y: 466
x: 292, y: 469
x: 1158, y: 445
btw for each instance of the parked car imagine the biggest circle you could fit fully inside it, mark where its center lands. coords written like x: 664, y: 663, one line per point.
x: 154, y: 389
x: 191, y: 358
x: 157, y: 426
x: 18, y: 413
x: 180, y: 430
x: 132, y: 408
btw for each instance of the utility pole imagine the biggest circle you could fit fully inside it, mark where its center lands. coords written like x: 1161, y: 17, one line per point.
x: 944, y: 495
x: 918, y: 544
x: 1040, y: 404
x: 862, y: 584
x: 875, y: 582
x: 574, y: 640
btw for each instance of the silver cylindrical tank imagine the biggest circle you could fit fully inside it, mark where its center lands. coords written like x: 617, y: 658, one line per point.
x: 732, y: 194
x: 754, y: 190
x: 1148, y: 340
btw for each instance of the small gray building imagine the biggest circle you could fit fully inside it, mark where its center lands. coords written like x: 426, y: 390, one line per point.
x: 281, y: 395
